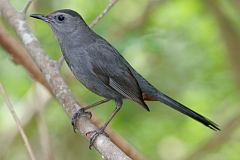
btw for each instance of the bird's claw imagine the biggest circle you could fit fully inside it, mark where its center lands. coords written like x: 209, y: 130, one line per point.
x: 79, y: 113
x: 94, y: 135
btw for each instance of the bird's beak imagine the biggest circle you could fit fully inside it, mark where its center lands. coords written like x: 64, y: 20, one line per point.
x: 40, y: 16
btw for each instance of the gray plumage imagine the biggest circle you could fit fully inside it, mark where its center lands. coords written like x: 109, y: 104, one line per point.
x: 100, y: 67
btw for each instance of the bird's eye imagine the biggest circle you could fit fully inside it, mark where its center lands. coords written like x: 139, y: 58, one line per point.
x: 60, y: 18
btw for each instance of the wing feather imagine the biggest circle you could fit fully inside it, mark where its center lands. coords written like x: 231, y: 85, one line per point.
x: 110, y: 69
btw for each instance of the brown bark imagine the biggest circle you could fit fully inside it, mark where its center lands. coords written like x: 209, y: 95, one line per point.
x: 51, y: 73
x: 20, y: 56
x: 230, y: 36
x: 232, y: 41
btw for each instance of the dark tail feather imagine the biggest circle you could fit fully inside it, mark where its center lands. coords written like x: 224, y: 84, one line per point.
x: 151, y: 93
x: 183, y: 109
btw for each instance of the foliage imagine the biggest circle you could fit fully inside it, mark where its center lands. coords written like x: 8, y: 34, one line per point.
x: 178, y: 47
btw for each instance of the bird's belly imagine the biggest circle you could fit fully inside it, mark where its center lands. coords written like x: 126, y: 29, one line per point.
x: 94, y: 84
x: 98, y: 87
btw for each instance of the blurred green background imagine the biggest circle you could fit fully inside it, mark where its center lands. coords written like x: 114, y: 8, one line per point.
x: 187, y: 49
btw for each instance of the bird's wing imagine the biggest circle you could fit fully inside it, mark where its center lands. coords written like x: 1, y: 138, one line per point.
x: 107, y: 65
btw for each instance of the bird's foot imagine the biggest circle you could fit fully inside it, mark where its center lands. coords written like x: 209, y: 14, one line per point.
x: 76, y: 115
x: 95, y: 134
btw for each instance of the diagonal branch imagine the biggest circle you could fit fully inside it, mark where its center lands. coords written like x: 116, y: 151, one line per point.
x: 46, y: 147
x: 138, y: 23
x: 94, y: 22
x: 216, y: 141
x: 100, y: 16
x: 24, y: 11
x: 20, y: 56
x: 59, y: 88
x: 232, y: 40
x: 230, y: 37
x: 8, y: 136
x: 18, y: 123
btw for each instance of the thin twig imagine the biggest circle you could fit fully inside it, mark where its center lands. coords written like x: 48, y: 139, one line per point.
x: 94, y: 22
x: 138, y: 23
x: 100, y: 16
x: 19, y: 55
x: 24, y: 11
x: 49, y: 67
x: 229, y: 35
x: 47, y: 153
x: 8, y: 136
x: 232, y: 41
x: 216, y: 141
x: 127, y: 148
x: 18, y: 123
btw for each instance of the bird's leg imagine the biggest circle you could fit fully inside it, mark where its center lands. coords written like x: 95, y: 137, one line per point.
x: 82, y: 112
x: 95, y: 104
x: 96, y: 133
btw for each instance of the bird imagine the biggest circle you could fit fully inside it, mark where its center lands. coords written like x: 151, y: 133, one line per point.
x: 104, y: 71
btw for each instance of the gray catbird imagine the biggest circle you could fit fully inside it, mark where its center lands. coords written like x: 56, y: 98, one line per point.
x: 101, y: 69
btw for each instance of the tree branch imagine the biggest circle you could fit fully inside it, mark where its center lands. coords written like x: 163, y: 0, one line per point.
x: 20, y: 56
x: 230, y: 37
x: 119, y: 141
x: 51, y: 73
x: 94, y: 22
x: 24, y: 11
x: 31, y: 108
x: 217, y: 140
x: 141, y: 20
x: 46, y: 147
x: 18, y: 123
x: 100, y: 16
x: 232, y: 40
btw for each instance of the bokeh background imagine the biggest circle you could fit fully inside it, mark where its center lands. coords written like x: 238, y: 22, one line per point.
x: 187, y: 49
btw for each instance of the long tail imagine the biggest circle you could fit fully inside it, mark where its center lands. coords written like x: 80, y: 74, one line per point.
x: 183, y: 109
x: 152, y: 94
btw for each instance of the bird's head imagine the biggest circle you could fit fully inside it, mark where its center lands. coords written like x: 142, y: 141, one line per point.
x: 62, y: 21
